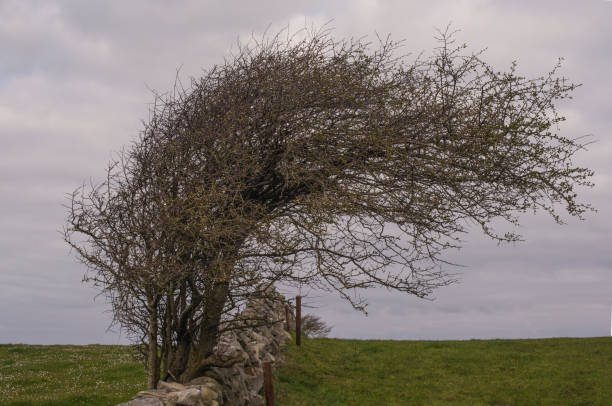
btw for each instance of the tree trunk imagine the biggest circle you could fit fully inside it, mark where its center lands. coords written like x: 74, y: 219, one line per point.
x: 167, y: 334
x: 209, y: 330
x: 153, y: 361
x: 180, y: 357
x: 184, y: 333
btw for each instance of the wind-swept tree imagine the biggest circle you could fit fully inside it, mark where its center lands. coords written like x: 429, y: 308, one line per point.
x: 313, y: 326
x: 340, y: 165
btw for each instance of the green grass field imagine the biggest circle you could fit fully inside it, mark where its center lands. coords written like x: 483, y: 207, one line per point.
x: 560, y: 371
x: 68, y: 375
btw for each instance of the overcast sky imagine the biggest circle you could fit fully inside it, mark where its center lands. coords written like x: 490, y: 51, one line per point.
x: 75, y: 80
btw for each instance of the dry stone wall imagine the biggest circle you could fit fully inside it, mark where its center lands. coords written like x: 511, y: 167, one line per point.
x: 241, y: 383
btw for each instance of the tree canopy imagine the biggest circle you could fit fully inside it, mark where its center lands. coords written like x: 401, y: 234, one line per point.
x: 337, y: 164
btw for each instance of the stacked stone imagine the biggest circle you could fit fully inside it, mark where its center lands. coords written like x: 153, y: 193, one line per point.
x: 241, y: 383
x: 201, y: 391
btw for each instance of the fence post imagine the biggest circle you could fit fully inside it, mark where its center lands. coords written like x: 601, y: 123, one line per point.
x: 287, y: 318
x: 298, y: 320
x: 268, y: 386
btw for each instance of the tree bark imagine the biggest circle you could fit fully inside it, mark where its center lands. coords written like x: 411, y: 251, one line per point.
x: 153, y: 361
x: 209, y: 330
x: 167, y: 334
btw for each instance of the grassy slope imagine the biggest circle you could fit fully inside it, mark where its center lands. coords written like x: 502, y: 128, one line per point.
x: 68, y: 375
x: 561, y: 371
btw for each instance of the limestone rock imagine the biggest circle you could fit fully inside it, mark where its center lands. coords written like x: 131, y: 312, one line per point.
x: 170, y: 386
x: 203, y: 380
x: 151, y: 393
x: 256, y: 400
x: 229, y: 348
x: 188, y: 397
x: 254, y: 351
x: 207, y: 382
x: 208, y: 395
x: 144, y: 402
x: 254, y: 378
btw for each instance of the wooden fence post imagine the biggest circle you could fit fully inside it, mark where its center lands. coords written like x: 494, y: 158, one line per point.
x: 287, y: 318
x: 298, y: 320
x: 268, y: 386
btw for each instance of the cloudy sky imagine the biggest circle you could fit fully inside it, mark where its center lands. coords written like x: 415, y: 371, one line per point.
x: 75, y: 80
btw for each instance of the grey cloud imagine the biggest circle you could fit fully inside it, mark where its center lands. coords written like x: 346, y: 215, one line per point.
x: 74, y: 81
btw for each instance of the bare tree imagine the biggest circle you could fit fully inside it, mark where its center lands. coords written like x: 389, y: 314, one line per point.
x: 334, y: 164
x: 313, y: 326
